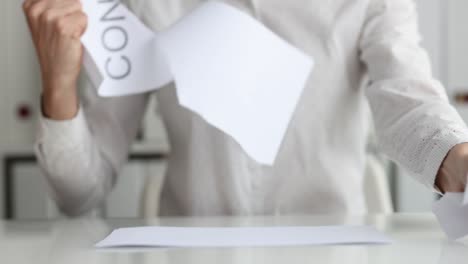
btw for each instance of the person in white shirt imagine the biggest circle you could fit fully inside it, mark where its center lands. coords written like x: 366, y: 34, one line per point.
x: 366, y: 51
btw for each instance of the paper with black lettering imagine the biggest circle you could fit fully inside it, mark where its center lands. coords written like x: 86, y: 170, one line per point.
x: 121, y: 54
x: 231, y: 70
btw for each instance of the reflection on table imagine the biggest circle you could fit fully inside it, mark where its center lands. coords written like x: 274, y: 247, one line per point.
x: 418, y: 239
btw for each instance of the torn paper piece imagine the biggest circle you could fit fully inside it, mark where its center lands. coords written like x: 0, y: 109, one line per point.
x: 121, y: 55
x: 242, y: 236
x: 452, y: 214
x: 237, y: 75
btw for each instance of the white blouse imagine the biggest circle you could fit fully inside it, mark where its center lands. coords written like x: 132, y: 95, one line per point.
x: 366, y: 51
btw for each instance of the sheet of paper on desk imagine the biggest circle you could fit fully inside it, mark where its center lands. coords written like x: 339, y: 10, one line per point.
x: 242, y: 236
x: 231, y: 70
x: 452, y: 212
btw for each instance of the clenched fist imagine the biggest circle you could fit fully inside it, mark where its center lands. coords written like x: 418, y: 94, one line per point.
x: 56, y: 27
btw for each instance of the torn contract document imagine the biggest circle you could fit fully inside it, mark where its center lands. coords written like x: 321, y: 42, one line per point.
x: 228, y: 68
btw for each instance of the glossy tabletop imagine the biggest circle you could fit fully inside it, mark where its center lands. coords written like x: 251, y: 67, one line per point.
x: 418, y: 239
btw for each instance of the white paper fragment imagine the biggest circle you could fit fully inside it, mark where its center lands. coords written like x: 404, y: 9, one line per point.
x: 228, y: 68
x: 242, y: 236
x: 121, y: 55
x: 452, y: 214
x: 237, y: 75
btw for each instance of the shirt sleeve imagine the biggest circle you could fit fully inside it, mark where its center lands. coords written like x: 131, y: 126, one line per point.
x: 82, y: 156
x: 415, y: 123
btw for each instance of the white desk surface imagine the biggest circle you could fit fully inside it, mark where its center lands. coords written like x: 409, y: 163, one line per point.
x: 418, y: 239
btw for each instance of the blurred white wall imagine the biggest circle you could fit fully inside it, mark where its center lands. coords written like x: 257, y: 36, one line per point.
x: 457, y: 45
x: 22, y: 76
x: 432, y: 25
x: 19, y: 74
x: 457, y: 51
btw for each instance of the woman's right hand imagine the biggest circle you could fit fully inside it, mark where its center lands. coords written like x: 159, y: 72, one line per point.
x: 56, y: 27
